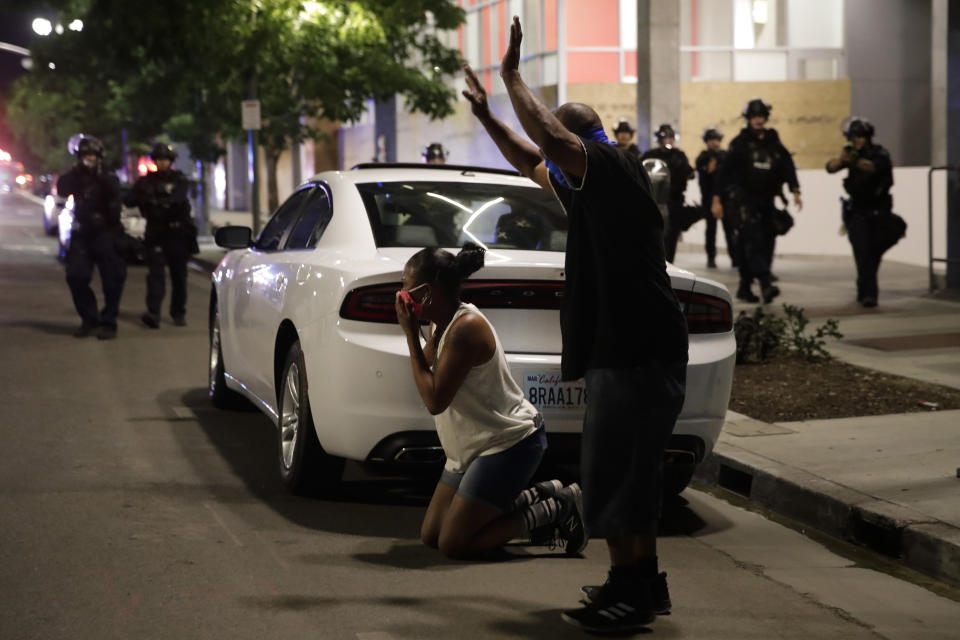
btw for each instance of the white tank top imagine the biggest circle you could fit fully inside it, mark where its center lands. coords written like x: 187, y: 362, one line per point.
x: 489, y: 413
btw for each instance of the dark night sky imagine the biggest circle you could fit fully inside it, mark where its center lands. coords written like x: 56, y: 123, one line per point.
x: 15, y: 29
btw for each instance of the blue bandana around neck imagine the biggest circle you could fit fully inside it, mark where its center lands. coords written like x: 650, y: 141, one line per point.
x: 597, y: 134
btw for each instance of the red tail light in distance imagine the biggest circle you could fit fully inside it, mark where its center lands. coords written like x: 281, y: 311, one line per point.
x: 706, y: 313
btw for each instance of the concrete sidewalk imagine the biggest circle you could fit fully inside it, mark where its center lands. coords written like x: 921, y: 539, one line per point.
x: 888, y: 482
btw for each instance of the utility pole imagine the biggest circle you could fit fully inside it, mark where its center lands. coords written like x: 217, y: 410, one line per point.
x: 251, y: 122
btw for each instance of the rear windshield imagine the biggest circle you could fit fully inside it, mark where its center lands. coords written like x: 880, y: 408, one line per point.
x: 450, y: 214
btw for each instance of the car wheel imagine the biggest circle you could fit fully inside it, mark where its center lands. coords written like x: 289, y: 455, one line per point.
x: 305, y: 468
x: 221, y: 396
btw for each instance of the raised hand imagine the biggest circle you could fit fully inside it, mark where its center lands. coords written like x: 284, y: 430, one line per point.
x: 475, y: 94
x: 511, y: 59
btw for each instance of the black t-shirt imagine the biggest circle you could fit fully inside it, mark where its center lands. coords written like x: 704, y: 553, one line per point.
x: 619, y: 307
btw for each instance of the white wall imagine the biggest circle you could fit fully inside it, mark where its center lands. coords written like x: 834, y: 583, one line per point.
x: 815, y: 230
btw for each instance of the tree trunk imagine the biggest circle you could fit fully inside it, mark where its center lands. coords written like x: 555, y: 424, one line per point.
x: 273, y: 196
x: 203, y: 200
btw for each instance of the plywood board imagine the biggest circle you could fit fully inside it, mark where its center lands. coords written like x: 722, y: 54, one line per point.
x: 808, y: 114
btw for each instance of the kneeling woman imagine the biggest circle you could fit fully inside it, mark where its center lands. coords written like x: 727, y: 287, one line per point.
x: 492, y: 436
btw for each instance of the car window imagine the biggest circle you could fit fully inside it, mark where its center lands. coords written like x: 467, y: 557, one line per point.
x: 273, y: 233
x: 449, y: 214
x: 313, y: 221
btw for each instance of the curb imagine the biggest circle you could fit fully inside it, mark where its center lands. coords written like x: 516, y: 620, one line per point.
x: 920, y: 542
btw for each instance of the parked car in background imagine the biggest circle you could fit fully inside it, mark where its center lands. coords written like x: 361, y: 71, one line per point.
x: 303, y: 325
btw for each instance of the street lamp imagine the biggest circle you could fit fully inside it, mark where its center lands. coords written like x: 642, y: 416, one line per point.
x: 42, y: 26
x: 76, y: 25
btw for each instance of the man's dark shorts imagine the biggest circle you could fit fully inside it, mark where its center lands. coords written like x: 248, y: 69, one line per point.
x: 630, y: 416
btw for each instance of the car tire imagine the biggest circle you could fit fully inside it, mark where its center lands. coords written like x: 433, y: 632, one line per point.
x: 220, y: 395
x: 305, y: 468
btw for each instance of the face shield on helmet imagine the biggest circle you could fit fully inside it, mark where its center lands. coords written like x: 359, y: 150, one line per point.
x: 73, y: 143
x: 757, y: 107
x: 162, y: 151
x: 712, y: 133
x: 89, y: 151
x: 857, y: 127
x: 434, y: 154
x: 665, y: 132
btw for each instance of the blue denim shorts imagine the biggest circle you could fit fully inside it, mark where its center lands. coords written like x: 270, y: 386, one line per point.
x: 497, y: 479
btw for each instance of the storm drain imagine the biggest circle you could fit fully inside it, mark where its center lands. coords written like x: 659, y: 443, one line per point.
x: 740, y: 482
x: 882, y: 539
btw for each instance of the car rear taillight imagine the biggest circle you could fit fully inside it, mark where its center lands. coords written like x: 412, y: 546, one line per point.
x: 376, y: 303
x: 705, y: 313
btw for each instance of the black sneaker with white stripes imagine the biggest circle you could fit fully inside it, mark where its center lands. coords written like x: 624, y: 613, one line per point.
x: 659, y: 593
x: 614, y: 610
x: 571, y: 527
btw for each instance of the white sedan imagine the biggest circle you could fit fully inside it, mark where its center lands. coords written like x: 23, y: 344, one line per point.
x: 302, y: 320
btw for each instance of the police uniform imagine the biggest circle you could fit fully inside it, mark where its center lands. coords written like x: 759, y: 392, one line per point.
x: 707, y: 181
x: 170, y: 236
x: 752, y: 175
x: 870, y: 203
x: 93, y: 241
x: 680, y: 171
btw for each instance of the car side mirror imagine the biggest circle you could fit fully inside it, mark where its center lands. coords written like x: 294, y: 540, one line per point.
x: 233, y: 237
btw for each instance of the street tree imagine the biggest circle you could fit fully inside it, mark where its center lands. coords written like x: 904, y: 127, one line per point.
x: 181, y: 67
x: 313, y: 60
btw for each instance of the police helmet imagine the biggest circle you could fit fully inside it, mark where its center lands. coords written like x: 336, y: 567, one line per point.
x: 712, y: 133
x: 434, y: 151
x: 161, y: 150
x: 665, y: 131
x: 623, y: 126
x: 86, y: 145
x: 858, y: 127
x: 757, y: 107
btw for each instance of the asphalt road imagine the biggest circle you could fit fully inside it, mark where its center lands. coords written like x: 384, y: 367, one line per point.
x: 130, y: 508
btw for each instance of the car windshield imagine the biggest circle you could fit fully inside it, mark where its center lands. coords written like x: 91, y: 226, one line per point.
x: 450, y: 214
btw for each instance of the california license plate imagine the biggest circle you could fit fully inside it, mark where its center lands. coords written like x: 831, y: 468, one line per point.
x: 545, y: 390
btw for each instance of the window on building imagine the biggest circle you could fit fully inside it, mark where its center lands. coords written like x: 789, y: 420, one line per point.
x: 762, y: 40
x: 484, y: 37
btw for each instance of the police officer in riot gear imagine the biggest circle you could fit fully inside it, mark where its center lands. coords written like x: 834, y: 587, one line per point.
x: 679, y: 217
x: 708, y: 165
x: 435, y: 154
x: 623, y: 134
x: 755, y: 168
x: 93, y: 238
x: 170, y: 237
x: 868, y: 181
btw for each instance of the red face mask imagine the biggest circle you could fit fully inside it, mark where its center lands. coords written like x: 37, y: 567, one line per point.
x: 416, y: 308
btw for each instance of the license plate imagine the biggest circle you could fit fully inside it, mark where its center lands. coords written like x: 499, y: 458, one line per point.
x: 545, y: 390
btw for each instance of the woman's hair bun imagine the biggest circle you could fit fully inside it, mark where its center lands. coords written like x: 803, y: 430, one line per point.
x: 469, y: 260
